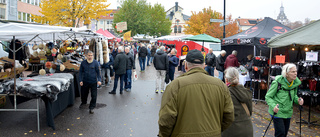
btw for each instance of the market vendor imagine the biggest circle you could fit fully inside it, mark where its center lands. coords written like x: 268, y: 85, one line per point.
x: 89, y: 77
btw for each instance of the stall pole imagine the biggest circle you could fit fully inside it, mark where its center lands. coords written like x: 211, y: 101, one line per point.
x: 38, y: 114
x: 14, y: 72
x: 254, y: 50
x: 269, y: 71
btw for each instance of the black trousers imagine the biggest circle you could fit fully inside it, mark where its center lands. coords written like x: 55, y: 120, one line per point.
x: 85, y: 92
x: 281, y: 126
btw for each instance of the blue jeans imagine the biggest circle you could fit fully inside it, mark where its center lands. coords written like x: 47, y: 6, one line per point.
x: 151, y: 59
x: 220, y: 75
x: 148, y: 60
x: 210, y: 70
x: 142, y: 62
x: 128, y: 79
x: 116, y: 78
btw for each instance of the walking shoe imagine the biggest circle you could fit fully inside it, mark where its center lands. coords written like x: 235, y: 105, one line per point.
x: 157, y: 91
x: 91, y: 111
x: 82, y: 106
x: 161, y: 91
x: 99, y: 87
x: 128, y: 90
x: 121, y: 92
x: 112, y: 92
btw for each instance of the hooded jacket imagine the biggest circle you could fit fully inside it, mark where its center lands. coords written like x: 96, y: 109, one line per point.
x: 231, y: 61
x: 161, y: 61
x: 120, y: 64
x: 195, y: 105
x: 220, y: 63
x: 281, y: 97
x: 242, y: 125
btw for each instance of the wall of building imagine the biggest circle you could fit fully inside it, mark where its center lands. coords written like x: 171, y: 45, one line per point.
x: 3, y: 11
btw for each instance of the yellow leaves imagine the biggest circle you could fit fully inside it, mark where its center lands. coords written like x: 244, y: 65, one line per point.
x: 71, y: 12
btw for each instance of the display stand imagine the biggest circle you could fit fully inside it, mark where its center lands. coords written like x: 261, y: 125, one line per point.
x: 309, y: 122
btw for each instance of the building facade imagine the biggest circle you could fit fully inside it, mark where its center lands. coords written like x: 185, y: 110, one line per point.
x: 105, y: 22
x: 3, y: 9
x: 19, y: 10
x: 178, y: 19
x: 245, y: 24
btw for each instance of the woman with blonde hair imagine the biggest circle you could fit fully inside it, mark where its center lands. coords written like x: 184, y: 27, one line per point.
x: 242, y: 102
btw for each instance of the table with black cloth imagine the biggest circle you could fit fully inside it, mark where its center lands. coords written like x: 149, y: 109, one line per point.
x: 54, y: 106
x: 77, y: 87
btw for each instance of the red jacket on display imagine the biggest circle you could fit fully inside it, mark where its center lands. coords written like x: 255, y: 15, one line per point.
x: 231, y: 61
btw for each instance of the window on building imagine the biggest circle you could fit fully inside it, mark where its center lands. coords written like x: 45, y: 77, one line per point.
x: 28, y: 17
x: 175, y: 29
x: 36, y: 2
x: 19, y: 16
x: 28, y: 1
x: 2, y: 13
x: 107, y: 22
x: 101, y: 21
x: 179, y: 29
x: 3, y: 1
x: 32, y: 2
x: 111, y: 15
x: 111, y: 22
x: 24, y: 17
x: 178, y: 21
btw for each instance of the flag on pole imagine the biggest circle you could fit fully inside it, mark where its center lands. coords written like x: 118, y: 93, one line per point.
x: 127, y: 36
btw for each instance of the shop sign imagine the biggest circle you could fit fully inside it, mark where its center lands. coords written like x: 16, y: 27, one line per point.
x: 184, y: 50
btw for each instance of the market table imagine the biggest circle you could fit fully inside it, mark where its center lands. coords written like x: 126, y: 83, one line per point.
x: 55, y: 102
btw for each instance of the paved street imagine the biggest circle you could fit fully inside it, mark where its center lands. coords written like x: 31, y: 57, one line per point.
x: 134, y: 113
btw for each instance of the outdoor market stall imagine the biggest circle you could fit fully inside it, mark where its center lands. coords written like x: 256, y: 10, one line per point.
x: 306, y: 41
x: 59, y: 92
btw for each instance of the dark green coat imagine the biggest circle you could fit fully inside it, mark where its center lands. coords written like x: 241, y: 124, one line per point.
x: 242, y: 125
x: 195, y: 105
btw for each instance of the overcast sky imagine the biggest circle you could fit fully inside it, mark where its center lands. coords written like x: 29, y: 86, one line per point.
x: 296, y: 10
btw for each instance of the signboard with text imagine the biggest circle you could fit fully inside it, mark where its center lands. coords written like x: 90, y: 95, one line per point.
x: 121, y: 26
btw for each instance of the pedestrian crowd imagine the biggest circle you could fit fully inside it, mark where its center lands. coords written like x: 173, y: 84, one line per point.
x: 197, y: 103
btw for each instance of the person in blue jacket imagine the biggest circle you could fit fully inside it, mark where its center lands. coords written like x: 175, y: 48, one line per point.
x: 173, y: 63
x: 89, y: 77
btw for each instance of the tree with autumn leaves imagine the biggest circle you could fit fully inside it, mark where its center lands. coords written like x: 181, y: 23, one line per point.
x: 199, y: 23
x: 70, y: 13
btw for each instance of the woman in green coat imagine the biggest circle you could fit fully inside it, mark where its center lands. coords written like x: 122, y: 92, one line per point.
x: 242, y: 102
x: 280, y: 98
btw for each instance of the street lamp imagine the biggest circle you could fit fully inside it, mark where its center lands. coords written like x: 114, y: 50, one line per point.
x: 224, y: 18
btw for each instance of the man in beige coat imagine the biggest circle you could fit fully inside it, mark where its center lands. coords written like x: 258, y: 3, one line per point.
x: 195, y: 104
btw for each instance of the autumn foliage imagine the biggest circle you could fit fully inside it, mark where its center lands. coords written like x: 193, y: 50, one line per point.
x: 199, y: 23
x: 71, y: 12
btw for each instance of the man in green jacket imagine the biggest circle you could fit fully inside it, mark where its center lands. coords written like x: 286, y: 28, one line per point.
x: 195, y: 104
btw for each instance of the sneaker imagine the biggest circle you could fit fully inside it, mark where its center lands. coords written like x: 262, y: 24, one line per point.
x: 128, y: 90
x: 161, y: 91
x: 91, y: 111
x: 82, y: 106
x: 112, y: 92
x: 99, y: 87
x: 157, y: 91
x: 121, y: 92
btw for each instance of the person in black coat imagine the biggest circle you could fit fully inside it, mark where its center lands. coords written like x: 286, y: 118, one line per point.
x: 220, y: 63
x: 120, y: 67
x: 153, y: 51
x: 143, y: 52
x: 210, y: 62
x: 130, y: 65
x: 173, y: 63
x: 161, y: 63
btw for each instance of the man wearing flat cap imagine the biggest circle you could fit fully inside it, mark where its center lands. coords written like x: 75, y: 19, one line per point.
x: 195, y: 104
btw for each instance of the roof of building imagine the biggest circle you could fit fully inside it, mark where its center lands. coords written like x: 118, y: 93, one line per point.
x: 248, y: 22
x: 173, y: 8
x: 108, y: 15
x: 185, y: 17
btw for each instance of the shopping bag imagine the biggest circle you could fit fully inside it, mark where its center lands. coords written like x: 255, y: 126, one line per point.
x: 167, y: 78
x: 135, y: 76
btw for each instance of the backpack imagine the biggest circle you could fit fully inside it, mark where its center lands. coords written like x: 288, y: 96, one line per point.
x: 279, y: 87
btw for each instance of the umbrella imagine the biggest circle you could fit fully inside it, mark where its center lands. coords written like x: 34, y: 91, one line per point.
x: 203, y: 38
